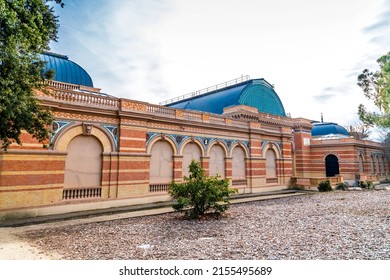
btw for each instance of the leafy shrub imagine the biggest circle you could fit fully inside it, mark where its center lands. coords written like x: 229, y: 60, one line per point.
x: 296, y: 187
x: 199, y: 193
x: 363, y: 185
x: 292, y: 184
x: 366, y: 185
x: 325, y: 186
x: 342, y: 186
x: 370, y: 185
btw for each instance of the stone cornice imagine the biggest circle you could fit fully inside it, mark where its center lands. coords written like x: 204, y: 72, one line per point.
x: 83, y: 106
x: 351, y: 143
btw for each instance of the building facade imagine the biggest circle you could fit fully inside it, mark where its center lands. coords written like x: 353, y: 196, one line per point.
x: 107, y: 152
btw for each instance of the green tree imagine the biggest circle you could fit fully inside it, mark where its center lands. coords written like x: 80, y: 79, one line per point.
x: 26, y: 28
x: 200, y: 194
x: 376, y: 86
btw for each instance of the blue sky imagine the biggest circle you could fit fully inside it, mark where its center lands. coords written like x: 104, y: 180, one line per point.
x: 152, y: 50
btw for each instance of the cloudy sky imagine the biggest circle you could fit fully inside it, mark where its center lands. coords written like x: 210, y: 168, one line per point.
x: 151, y: 50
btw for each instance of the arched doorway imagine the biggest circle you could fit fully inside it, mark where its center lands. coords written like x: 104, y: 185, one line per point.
x: 83, y: 166
x: 191, y: 152
x: 332, y: 165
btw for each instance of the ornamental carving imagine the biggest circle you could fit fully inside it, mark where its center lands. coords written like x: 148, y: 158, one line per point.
x: 179, y: 114
x: 228, y: 143
x: 87, y: 128
x: 205, y: 117
x: 56, y: 127
x: 113, y: 132
x: 254, y: 125
x: 84, y: 117
x: 179, y: 139
x: 134, y: 122
x: 134, y: 106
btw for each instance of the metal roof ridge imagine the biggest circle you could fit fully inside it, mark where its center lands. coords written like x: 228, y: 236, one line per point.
x: 57, y: 55
x: 208, y: 90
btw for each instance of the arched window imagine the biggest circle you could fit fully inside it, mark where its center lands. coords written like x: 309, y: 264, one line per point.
x: 217, y: 161
x: 161, y: 163
x: 270, y: 164
x: 83, y: 166
x: 332, y: 166
x: 190, y: 152
x: 238, y: 164
x: 372, y: 165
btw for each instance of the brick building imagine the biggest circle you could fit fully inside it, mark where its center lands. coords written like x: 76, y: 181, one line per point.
x: 109, y: 152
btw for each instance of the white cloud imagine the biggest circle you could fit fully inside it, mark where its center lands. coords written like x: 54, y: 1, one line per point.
x: 155, y: 50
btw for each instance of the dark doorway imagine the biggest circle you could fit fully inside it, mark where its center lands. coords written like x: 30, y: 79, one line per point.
x: 332, y: 166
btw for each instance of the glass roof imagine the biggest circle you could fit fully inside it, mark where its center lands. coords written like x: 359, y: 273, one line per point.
x: 66, y: 71
x: 256, y: 93
x: 322, y: 129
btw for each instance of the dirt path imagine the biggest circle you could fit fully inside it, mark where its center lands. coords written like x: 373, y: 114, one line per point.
x: 13, y: 247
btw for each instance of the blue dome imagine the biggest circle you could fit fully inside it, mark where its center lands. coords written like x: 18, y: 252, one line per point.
x: 256, y: 93
x: 323, y: 129
x: 66, y: 71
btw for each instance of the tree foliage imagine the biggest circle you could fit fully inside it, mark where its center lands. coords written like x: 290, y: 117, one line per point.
x: 200, y: 194
x: 376, y: 86
x: 26, y: 28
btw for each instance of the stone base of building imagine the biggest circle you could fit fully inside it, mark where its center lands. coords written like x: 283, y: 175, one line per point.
x: 83, y: 206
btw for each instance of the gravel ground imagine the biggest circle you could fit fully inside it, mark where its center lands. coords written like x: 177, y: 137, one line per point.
x: 337, y: 225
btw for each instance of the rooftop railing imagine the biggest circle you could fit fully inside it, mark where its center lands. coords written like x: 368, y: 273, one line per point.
x: 60, y: 85
x: 155, y: 109
x: 85, y: 98
x: 207, y: 90
x: 97, y: 100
